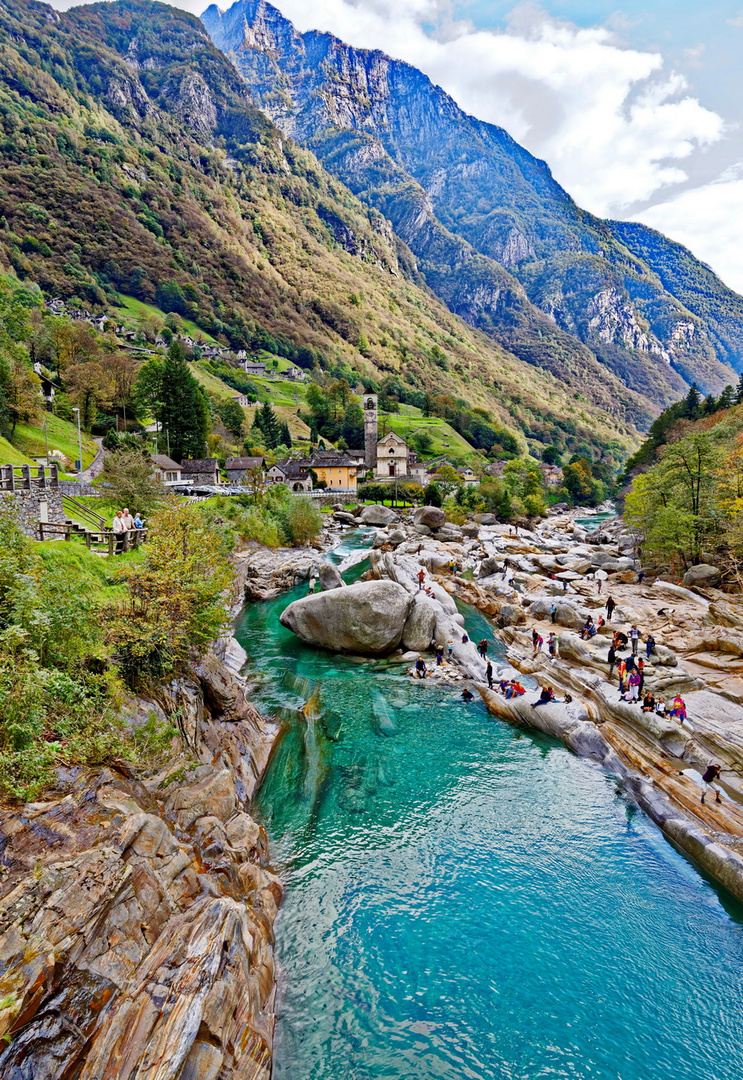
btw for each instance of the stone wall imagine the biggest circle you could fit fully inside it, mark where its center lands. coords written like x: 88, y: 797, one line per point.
x: 27, y: 506
x: 78, y: 487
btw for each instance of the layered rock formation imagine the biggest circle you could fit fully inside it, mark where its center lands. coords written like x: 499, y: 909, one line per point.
x: 136, y: 912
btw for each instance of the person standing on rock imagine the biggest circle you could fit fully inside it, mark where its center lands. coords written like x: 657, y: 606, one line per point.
x: 553, y: 613
x: 634, y: 685
x: 439, y: 655
x: 709, y: 779
x: 421, y: 578
x: 489, y: 675
x: 634, y: 636
x: 610, y: 605
x: 649, y: 644
x: 538, y: 643
x: 482, y: 648
x: 552, y: 645
x: 611, y: 659
x: 450, y: 647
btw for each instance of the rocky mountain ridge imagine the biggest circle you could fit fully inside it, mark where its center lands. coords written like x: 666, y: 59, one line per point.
x: 135, y: 163
x: 495, y: 236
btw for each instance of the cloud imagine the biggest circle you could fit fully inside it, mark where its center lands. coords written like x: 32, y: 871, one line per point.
x: 613, y: 124
x: 707, y: 220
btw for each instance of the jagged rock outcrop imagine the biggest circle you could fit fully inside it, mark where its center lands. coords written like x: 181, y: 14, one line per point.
x: 136, y: 913
x: 551, y: 273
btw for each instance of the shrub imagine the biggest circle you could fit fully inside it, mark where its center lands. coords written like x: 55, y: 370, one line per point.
x: 303, y: 521
x: 432, y: 496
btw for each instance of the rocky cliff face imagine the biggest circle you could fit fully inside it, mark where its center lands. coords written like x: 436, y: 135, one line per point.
x: 496, y: 237
x: 136, y: 913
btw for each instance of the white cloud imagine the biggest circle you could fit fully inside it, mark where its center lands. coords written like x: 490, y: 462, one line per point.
x: 707, y: 220
x: 613, y: 125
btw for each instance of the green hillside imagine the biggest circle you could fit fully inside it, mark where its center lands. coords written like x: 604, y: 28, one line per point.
x: 121, y: 180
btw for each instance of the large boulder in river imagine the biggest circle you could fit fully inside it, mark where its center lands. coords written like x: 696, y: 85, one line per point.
x: 702, y: 575
x: 420, y: 625
x: 431, y: 516
x: 566, y: 614
x: 378, y: 515
x: 365, y: 618
x: 330, y: 577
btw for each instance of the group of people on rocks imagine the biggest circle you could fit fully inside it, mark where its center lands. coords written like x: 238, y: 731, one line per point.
x: 125, y: 523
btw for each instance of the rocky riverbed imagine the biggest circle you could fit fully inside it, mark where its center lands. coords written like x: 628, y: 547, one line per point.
x: 516, y: 577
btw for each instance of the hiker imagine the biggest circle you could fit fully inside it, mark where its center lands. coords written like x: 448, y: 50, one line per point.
x: 640, y: 577
x: 599, y: 583
x: 678, y: 709
x: 489, y: 675
x: 534, y: 638
x: 538, y: 644
x: 622, y: 676
x: 553, y: 613
x: 634, y: 636
x: 421, y: 578
x: 641, y: 673
x: 439, y: 655
x: 467, y: 694
x: 552, y: 645
x: 564, y: 586
x: 465, y: 638
x: 649, y: 644
x: 127, y: 519
x: 609, y: 605
x: 709, y: 779
x: 119, y: 529
x: 634, y: 686
x: 547, y: 695
x: 611, y: 659
x: 450, y: 647
x: 420, y: 668
x: 482, y: 648
x: 648, y: 702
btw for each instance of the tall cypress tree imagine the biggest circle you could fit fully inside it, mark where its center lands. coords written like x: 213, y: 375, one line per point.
x: 185, y: 414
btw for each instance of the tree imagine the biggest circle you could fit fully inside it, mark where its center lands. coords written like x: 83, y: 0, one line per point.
x: 184, y: 410
x: 232, y: 416
x: 726, y: 399
x: 22, y: 395
x: 132, y: 481
x: 692, y: 403
x: 285, y: 435
x: 90, y: 385
x: 432, y: 495
x: 175, y: 604
x: 739, y: 391
x: 266, y: 422
x: 551, y: 455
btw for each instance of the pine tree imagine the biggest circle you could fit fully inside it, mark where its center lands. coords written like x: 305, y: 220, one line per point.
x: 184, y: 412
x: 692, y: 403
x: 739, y: 392
x: 285, y: 437
x: 727, y: 398
x: 267, y: 422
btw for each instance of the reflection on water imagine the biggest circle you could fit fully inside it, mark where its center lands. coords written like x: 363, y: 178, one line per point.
x: 466, y: 901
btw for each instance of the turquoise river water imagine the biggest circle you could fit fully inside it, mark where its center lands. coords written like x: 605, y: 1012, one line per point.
x: 465, y: 902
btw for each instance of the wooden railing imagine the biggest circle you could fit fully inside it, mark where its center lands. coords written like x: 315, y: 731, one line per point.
x: 83, y: 513
x: 116, y: 543
x: 26, y: 477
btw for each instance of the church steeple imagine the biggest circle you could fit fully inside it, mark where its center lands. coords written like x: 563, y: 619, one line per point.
x: 370, y: 430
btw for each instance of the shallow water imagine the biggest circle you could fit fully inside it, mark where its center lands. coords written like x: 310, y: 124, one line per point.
x: 464, y: 901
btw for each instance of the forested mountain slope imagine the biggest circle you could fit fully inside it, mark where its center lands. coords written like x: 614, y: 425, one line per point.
x: 133, y: 162
x: 496, y: 237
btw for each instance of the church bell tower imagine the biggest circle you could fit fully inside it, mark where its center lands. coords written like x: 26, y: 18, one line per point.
x: 370, y: 430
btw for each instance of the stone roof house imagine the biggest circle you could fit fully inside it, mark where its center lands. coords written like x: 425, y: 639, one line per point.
x: 201, y: 470
x: 236, y: 467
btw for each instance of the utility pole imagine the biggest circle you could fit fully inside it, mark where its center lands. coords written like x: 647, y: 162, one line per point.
x: 46, y: 435
x: 79, y: 445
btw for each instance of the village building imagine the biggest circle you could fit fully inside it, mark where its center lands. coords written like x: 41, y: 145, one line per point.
x: 201, y: 470
x: 334, y: 467
x: 254, y: 367
x: 468, y: 475
x: 241, y: 399
x: 236, y: 467
x: 166, y: 469
x: 293, y: 473
x: 295, y: 373
x: 392, y: 456
x: 358, y: 457
x: 418, y: 470
x: 495, y: 468
x: 553, y: 474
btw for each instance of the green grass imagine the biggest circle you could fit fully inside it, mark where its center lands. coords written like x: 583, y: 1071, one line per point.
x: 444, y: 439
x: 10, y: 455
x: 138, y: 310
x: 211, y: 382
x: 97, y: 576
x: 104, y: 507
x: 62, y: 436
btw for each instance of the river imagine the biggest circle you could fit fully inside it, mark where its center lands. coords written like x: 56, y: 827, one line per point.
x: 466, y: 902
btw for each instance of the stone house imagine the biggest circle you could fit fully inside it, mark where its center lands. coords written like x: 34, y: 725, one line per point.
x: 254, y: 367
x: 241, y: 399
x: 552, y: 474
x: 201, y: 470
x: 293, y: 473
x: 166, y: 469
x: 236, y: 467
x: 295, y: 373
